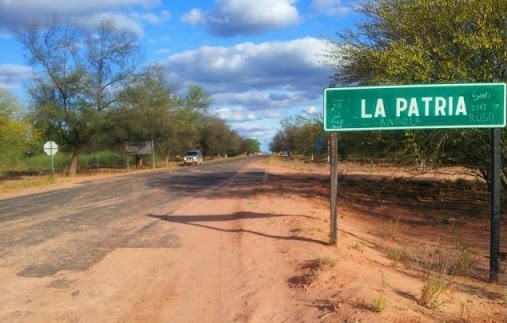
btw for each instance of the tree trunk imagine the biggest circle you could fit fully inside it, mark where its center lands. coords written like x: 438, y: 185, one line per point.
x: 74, y: 160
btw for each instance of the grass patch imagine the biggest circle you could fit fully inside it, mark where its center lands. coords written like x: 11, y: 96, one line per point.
x: 437, y: 260
x: 296, y: 230
x: 391, y: 229
x: 379, y: 303
x: 456, y: 260
x: 398, y: 255
x: 320, y: 263
x: 312, y: 267
x: 462, y: 260
x: 359, y: 247
x: 27, y: 183
x: 431, y: 291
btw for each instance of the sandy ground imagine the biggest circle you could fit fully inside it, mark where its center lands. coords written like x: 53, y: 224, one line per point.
x: 260, y: 254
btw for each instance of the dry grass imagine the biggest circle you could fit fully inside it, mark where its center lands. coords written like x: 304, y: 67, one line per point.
x: 391, y: 228
x: 379, y: 303
x: 26, y: 183
x: 431, y: 291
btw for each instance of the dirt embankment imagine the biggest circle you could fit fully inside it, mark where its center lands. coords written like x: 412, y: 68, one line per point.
x: 412, y: 247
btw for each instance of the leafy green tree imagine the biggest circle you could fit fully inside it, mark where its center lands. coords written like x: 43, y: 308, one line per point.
x: 16, y: 134
x: 299, y: 135
x: 217, y: 138
x: 250, y: 145
x: 80, y: 74
x: 144, y: 110
x: 422, y: 41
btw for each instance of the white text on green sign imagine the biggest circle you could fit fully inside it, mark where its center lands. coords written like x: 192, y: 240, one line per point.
x: 411, y: 107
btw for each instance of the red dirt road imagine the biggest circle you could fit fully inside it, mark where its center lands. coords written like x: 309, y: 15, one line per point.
x: 259, y: 253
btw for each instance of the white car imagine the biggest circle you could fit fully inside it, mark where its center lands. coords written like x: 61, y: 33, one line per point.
x: 193, y: 157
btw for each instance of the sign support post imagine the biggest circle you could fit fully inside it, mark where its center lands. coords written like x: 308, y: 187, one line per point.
x: 51, y: 148
x: 431, y: 106
x: 495, y: 189
x: 152, y: 155
x: 334, y: 188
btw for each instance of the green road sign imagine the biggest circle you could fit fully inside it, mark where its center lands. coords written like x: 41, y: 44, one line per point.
x: 479, y: 105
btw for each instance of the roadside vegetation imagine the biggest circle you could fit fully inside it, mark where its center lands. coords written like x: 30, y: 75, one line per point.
x: 412, y: 42
x: 93, y: 97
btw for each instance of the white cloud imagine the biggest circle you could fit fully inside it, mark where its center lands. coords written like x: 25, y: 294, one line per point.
x: 256, y: 100
x: 255, y: 83
x: 120, y: 21
x: 312, y: 110
x: 12, y: 76
x: 332, y: 7
x: 284, y: 66
x: 239, y: 114
x: 15, y: 14
x: 233, y: 17
x: 194, y: 17
x: 263, y: 133
x: 151, y: 18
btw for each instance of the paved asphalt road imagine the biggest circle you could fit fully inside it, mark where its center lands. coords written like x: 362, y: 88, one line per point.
x: 72, y: 229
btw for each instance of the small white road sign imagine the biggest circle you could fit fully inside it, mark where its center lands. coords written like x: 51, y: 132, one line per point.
x: 51, y: 148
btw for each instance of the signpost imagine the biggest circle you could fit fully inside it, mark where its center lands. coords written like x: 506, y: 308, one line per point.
x: 474, y: 105
x: 141, y: 148
x: 51, y: 148
x: 415, y: 107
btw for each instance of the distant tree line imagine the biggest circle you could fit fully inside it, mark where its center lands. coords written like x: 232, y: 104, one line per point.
x: 304, y: 135
x: 90, y: 93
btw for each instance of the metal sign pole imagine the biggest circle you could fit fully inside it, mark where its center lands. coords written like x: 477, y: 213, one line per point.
x: 52, y: 167
x: 152, y: 155
x: 494, y: 252
x: 334, y: 188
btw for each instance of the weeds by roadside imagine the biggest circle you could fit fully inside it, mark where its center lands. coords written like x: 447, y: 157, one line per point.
x: 296, y: 230
x: 379, y: 303
x: 391, y: 229
x: 398, y: 255
x: 359, y: 247
x: 313, y: 268
x: 27, y: 183
x: 431, y: 291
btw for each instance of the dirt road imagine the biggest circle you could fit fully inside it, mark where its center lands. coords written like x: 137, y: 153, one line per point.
x: 156, y: 247
x: 228, y: 243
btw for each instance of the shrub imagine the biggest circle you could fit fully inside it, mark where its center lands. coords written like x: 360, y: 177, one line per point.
x: 431, y: 292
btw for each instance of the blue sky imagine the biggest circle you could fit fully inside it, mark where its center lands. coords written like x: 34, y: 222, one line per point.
x: 260, y: 60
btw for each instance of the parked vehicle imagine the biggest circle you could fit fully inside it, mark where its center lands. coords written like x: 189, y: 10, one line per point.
x: 193, y: 157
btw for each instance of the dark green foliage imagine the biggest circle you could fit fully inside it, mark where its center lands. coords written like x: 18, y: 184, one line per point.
x: 421, y: 41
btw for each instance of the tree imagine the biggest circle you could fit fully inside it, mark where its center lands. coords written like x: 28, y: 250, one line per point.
x: 216, y: 138
x: 16, y: 135
x: 80, y: 74
x: 421, y: 41
x: 250, y: 145
x: 144, y: 110
x: 299, y: 135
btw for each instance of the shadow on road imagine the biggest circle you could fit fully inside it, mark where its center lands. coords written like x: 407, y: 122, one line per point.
x: 195, y: 220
